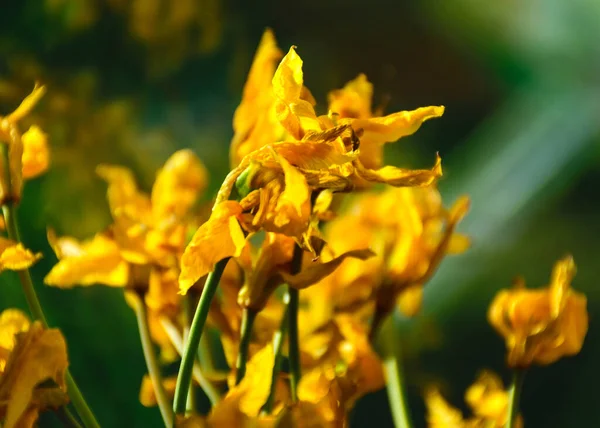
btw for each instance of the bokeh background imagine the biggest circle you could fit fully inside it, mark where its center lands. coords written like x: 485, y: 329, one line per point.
x: 131, y: 81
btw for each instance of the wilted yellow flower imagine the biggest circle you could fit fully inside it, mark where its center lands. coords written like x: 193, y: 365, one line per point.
x: 27, y: 154
x: 409, y: 231
x: 29, y: 355
x: 541, y: 325
x: 13, y: 256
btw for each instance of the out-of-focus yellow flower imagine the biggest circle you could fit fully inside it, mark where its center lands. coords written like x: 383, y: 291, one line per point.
x: 96, y: 261
x: 147, y: 393
x: 487, y: 399
x: 353, y: 100
x: 440, y: 414
x: 29, y: 354
x: 27, y: 154
x: 541, y: 325
x: 13, y: 256
x: 409, y: 231
x: 36, y: 154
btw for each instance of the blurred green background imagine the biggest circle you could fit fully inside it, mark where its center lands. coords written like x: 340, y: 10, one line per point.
x: 131, y: 81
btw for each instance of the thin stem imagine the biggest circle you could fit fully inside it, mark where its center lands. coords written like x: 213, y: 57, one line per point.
x: 12, y: 229
x: 191, y: 399
x: 395, y: 389
x: 184, y: 377
x: 514, y: 397
x: 294, y: 348
x: 209, y: 389
x: 277, y: 345
x: 151, y: 362
x: 248, y: 317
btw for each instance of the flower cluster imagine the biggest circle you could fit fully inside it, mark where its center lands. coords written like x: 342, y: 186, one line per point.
x: 312, y: 241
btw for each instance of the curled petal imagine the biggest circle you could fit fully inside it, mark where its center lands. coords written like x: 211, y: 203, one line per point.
x: 317, y: 271
x: 27, y: 104
x: 295, y: 114
x: 400, y: 177
x: 220, y: 237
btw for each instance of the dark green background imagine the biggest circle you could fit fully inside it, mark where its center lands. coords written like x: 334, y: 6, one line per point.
x: 521, y: 86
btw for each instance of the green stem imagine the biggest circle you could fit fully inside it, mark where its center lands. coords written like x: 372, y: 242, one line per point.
x: 12, y: 229
x: 514, y: 397
x: 294, y: 348
x: 248, y: 317
x: 184, y: 378
x: 151, y: 362
x: 67, y: 418
x: 277, y: 345
x: 213, y: 394
x: 395, y: 389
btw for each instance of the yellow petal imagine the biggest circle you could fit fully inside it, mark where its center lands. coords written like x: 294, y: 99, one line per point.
x: 178, y: 184
x: 400, y: 177
x: 36, y: 155
x: 27, y: 104
x: 390, y: 128
x: 562, y: 275
x: 14, y: 256
x: 295, y: 114
x: 38, y: 355
x: 317, y: 271
x: 12, y: 322
x: 97, y: 261
x: 220, y: 237
x: 254, y: 122
x: 353, y: 100
x: 147, y: 394
x: 411, y: 300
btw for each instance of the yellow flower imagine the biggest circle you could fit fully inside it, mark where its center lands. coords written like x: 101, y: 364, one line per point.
x: 29, y: 354
x: 13, y: 256
x: 440, y: 414
x: 541, y: 325
x: 151, y: 228
x: 487, y: 399
x: 409, y: 231
x: 27, y: 155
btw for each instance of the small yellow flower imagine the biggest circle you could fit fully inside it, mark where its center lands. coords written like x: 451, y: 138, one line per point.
x: 27, y: 154
x: 13, y: 256
x: 36, y: 154
x: 29, y: 354
x: 541, y: 325
x: 487, y: 399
